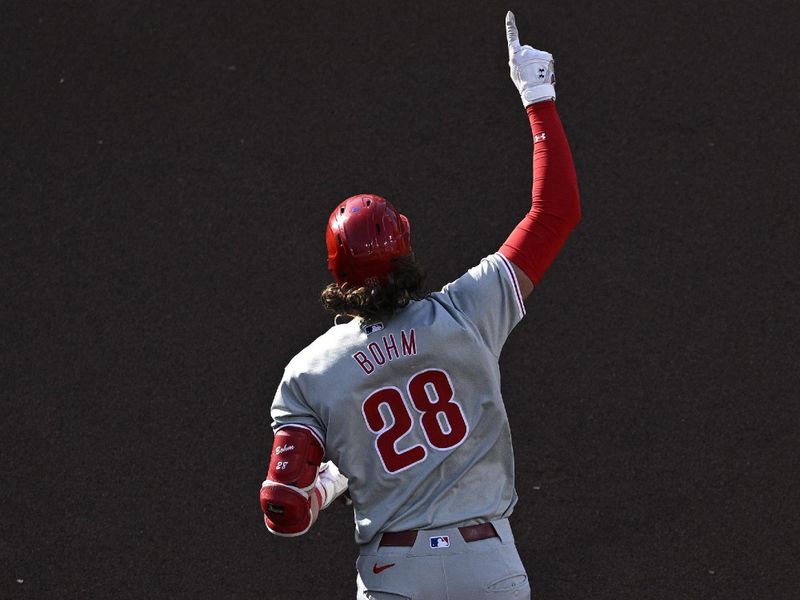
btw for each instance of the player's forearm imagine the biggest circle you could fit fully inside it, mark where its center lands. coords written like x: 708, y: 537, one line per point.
x: 555, y: 209
x: 298, y: 484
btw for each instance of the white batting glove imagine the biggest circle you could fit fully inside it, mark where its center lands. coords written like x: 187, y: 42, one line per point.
x: 531, y: 69
x: 330, y: 483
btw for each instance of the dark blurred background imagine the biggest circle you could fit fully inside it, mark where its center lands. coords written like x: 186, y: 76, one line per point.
x: 167, y: 172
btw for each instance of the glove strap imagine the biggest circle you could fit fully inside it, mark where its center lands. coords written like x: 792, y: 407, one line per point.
x: 539, y: 93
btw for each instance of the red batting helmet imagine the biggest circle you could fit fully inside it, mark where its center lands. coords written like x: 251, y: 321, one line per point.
x: 365, y: 232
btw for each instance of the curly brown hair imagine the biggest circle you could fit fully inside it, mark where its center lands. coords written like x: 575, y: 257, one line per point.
x: 370, y: 302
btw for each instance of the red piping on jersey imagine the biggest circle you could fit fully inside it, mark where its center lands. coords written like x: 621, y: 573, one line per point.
x: 555, y: 208
x: 513, y: 276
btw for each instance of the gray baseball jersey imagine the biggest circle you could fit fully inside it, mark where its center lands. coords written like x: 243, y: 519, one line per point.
x: 410, y: 408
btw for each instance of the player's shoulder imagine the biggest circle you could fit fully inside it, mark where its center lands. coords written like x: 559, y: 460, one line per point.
x: 485, y: 290
x: 326, y: 348
x: 491, y: 266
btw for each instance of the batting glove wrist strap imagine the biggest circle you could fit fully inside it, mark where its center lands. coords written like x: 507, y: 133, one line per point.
x: 330, y: 483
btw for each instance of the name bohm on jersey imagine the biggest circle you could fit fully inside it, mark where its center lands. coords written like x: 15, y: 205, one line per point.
x: 386, y: 349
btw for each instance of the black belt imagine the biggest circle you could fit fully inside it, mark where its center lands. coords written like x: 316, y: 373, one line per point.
x: 470, y: 533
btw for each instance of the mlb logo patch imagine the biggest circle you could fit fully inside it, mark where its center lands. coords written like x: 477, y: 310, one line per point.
x: 440, y: 541
x: 372, y: 328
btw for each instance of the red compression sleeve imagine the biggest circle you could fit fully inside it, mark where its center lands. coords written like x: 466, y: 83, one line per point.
x: 555, y: 210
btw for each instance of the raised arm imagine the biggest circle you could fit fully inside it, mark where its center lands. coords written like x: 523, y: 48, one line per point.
x: 555, y: 209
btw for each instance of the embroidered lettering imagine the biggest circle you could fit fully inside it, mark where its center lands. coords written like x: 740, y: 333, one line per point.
x: 409, y: 343
x: 364, y: 362
x: 390, y: 347
x: 377, y: 353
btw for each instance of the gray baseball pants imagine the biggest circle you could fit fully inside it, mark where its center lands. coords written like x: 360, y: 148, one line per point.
x: 442, y: 566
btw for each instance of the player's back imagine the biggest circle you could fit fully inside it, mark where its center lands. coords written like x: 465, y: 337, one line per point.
x: 410, y: 407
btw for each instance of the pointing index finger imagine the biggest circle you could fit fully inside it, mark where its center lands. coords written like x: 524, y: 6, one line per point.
x: 512, y: 35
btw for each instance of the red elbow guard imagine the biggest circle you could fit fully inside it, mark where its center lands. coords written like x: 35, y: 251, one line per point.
x: 296, y: 456
x: 287, y: 510
x: 293, y: 468
x: 555, y: 210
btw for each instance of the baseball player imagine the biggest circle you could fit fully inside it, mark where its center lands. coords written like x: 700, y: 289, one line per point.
x: 405, y: 396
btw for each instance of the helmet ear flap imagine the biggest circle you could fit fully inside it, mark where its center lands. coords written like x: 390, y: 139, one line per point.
x: 407, y: 223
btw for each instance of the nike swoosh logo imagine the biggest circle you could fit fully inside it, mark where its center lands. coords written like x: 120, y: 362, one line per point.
x: 376, y: 569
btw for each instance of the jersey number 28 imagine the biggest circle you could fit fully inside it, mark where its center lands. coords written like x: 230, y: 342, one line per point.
x: 441, y: 418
